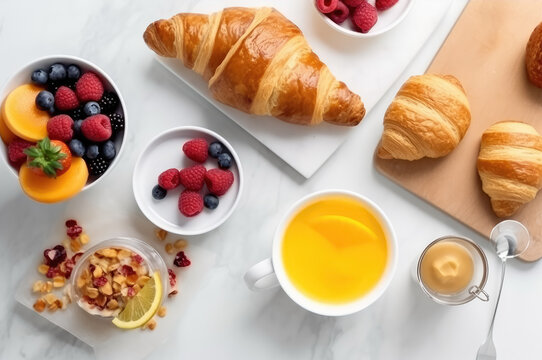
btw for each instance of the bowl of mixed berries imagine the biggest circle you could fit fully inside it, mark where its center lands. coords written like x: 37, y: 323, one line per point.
x: 188, y: 180
x: 62, y: 124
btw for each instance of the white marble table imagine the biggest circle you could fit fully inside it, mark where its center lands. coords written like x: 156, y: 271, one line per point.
x: 224, y: 319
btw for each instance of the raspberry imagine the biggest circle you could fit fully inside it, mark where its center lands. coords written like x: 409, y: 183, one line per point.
x: 192, y: 178
x: 53, y: 257
x: 101, y: 281
x: 365, y: 17
x: 89, y: 87
x: 190, y: 203
x: 60, y: 127
x: 326, y: 6
x: 15, y: 150
x: 385, y: 4
x: 74, y: 231
x: 353, y: 3
x: 340, y: 14
x: 172, y: 278
x: 196, y: 149
x: 218, y: 181
x: 181, y: 260
x: 96, y: 128
x: 169, y: 179
x: 65, y: 99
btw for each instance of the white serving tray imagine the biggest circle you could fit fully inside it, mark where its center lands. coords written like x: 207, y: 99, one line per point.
x: 368, y: 66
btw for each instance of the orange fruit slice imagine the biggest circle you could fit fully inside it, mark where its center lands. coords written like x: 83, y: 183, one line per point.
x: 22, y: 116
x: 5, y: 133
x: 50, y: 190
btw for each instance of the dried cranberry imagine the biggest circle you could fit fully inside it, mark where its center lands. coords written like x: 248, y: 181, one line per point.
x: 126, y: 270
x: 181, y: 260
x: 131, y: 292
x: 76, y: 257
x: 70, y: 223
x: 74, y: 231
x: 172, y: 278
x: 54, y: 256
x: 69, y: 265
x: 101, y: 281
x: 138, y: 259
x: 91, y: 267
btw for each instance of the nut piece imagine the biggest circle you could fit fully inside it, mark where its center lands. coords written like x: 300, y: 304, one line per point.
x: 50, y: 298
x: 162, y: 311
x: 48, y: 286
x: 92, y: 292
x: 169, y: 249
x: 180, y: 244
x: 101, y: 300
x: 75, y: 245
x: 84, y: 239
x: 160, y: 234
x: 39, y: 305
x: 42, y: 269
x: 112, y: 304
x: 142, y: 280
x: 123, y: 254
x: 108, y: 252
x: 119, y: 279
x: 59, y: 281
x: 106, y: 289
x: 97, y: 272
x: 38, y: 286
x: 533, y: 56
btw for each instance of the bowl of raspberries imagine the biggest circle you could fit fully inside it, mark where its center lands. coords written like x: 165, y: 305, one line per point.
x: 62, y: 124
x: 363, y: 18
x: 188, y: 180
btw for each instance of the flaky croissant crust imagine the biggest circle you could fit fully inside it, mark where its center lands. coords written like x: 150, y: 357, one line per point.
x: 510, y: 165
x: 427, y: 118
x: 259, y: 62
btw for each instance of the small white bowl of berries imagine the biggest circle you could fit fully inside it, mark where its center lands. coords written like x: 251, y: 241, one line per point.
x: 188, y: 180
x: 62, y: 125
x: 363, y: 18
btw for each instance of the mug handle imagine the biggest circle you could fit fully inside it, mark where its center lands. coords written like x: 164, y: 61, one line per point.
x: 261, y: 276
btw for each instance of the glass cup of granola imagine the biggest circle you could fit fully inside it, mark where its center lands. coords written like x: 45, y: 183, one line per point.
x: 111, y: 273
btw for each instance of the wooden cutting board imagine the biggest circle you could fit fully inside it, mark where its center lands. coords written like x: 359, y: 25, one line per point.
x: 486, y: 52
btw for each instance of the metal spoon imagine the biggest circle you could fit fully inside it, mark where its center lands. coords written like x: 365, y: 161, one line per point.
x: 511, y: 239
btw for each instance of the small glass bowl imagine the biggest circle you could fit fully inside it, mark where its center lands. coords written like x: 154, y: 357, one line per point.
x: 150, y: 256
x: 475, y: 289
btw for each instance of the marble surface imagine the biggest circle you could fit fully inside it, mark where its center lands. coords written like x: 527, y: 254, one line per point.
x: 223, y: 318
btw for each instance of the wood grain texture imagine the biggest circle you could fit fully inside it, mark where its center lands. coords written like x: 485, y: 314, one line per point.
x: 486, y: 52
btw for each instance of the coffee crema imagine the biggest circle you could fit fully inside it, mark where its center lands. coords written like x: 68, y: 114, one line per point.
x: 334, y: 250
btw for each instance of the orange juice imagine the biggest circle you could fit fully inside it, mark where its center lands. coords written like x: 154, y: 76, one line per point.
x: 334, y: 250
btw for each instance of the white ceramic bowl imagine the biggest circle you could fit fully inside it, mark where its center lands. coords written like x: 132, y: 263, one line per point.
x: 387, y: 20
x: 165, y: 152
x: 22, y: 76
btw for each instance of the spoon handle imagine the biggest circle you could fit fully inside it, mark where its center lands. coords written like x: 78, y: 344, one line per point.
x: 503, y: 269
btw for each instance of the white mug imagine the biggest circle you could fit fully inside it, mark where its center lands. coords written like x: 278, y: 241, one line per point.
x: 270, y: 272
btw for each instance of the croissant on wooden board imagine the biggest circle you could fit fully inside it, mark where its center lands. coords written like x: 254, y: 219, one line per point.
x: 256, y: 60
x: 510, y: 165
x: 427, y: 118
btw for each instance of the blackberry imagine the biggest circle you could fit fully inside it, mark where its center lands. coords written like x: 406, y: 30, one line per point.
x: 97, y: 166
x: 109, y: 102
x: 53, y: 86
x: 77, y: 114
x: 117, y: 122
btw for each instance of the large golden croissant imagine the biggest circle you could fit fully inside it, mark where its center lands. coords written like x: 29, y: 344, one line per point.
x: 510, y: 165
x: 428, y: 118
x: 259, y: 62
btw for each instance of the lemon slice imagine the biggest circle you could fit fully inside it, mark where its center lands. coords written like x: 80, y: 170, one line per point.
x: 343, y: 231
x: 142, y: 307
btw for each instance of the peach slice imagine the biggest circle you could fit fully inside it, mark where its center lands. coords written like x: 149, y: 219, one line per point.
x: 21, y: 115
x: 5, y: 134
x: 51, y: 190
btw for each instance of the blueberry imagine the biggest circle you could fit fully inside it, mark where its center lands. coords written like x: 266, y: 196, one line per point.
x: 92, y: 151
x: 224, y: 161
x: 210, y: 201
x: 45, y: 100
x: 159, y: 192
x: 108, y: 150
x: 73, y: 72
x: 77, y: 128
x: 39, y: 77
x: 57, y: 72
x: 215, y: 149
x: 91, y: 108
x: 77, y: 148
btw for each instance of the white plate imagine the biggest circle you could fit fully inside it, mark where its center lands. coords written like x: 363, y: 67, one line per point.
x: 165, y: 152
x: 368, y: 66
x: 387, y: 20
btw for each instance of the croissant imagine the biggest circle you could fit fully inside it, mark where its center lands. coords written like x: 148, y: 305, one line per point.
x: 428, y: 118
x: 510, y: 165
x: 257, y: 61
